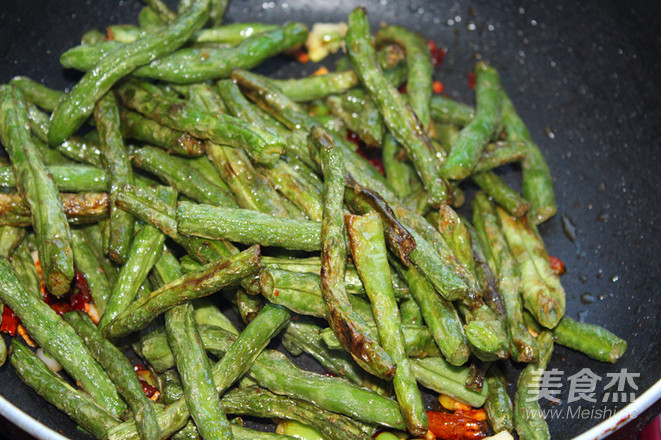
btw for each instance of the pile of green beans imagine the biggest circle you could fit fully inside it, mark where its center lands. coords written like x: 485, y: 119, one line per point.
x: 208, y: 210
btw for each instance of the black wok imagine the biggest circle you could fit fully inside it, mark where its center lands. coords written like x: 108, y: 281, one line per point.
x: 585, y: 78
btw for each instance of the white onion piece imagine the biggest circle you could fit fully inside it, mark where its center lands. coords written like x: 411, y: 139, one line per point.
x: 51, y: 363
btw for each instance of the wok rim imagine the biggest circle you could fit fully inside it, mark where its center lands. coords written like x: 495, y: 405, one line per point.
x: 612, y: 424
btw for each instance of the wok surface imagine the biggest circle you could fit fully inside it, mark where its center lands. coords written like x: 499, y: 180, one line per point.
x: 584, y: 77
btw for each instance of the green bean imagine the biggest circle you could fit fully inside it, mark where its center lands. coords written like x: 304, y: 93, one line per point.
x: 37, y: 93
x: 471, y: 140
x: 278, y: 105
x: 241, y: 433
x: 425, y: 258
x: 274, y: 371
x: 67, y: 178
x: 207, y: 313
x: 34, y: 183
x: 398, y: 117
x: 145, y: 250
x: 121, y: 372
x: 348, y: 326
x: 419, y: 66
x: 85, y: 56
x: 249, y: 306
x: 209, y: 63
x: 398, y: 173
x: 93, y: 235
x: 299, y: 300
x: 38, y: 122
x: 25, y: 269
x: 91, y: 269
x: 3, y: 346
x: 439, y: 315
x: 271, y: 99
x: 136, y: 126
x: 50, y: 155
x: 77, y: 105
x: 164, y: 12
x: 306, y: 336
x: 202, y: 282
x: 231, y: 33
x: 78, y: 208
x: 436, y: 374
x: 486, y: 333
x: 76, y: 404
x: 184, y: 178
x: 149, y: 20
x: 505, y: 196
x: 485, y: 276
x: 417, y: 339
x: 296, y: 188
x: 368, y: 250
x: 258, y: 402
x: 117, y: 164
x: 170, y: 420
x: 498, y: 404
x: 248, y: 345
x: 58, y: 340
x: 317, y: 86
x: 247, y: 227
x: 250, y: 188
x: 528, y: 419
x: 182, y: 115
x: 81, y: 149
x: 238, y: 105
x: 446, y: 110
x: 522, y: 345
x: 10, y: 238
x: 410, y: 312
x: 363, y: 200
x: 500, y: 153
x: 537, y: 182
x: 592, y: 340
x: 371, y: 128
x: 150, y: 210
x: 304, y: 274
x: 204, y: 166
x: 347, y: 108
x: 595, y: 341
x: 123, y: 33
x: 195, y: 371
x: 543, y: 294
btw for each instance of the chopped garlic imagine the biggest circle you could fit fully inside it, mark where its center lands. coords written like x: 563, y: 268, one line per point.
x: 325, y: 38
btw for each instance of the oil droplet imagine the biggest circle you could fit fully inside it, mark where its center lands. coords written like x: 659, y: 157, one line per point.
x: 568, y: 228
x: 587, y: 298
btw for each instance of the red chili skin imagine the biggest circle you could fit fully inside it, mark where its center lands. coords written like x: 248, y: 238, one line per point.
x: 82, y: 295
x: 455, y: 427
x: 437, y: 55
x: 9, y: 321
x: 557, y: 265
x: 372, y: 155
x: 471, y: 80
x: 61, y: 308
x: 148, y: 389
x: 353, y: 137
